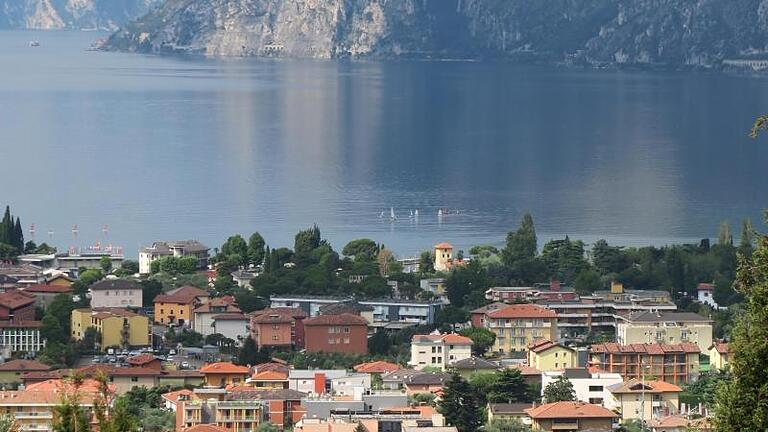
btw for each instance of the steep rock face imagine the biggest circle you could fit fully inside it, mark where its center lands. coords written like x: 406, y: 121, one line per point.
x: 667, y: 32
x: 71, y: 14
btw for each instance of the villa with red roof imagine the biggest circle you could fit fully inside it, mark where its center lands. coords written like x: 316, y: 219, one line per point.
x: 376, y: 367
x: 223, y: 374
x: 571, y: 416
x: 439, y: 350
x: 517, y: 325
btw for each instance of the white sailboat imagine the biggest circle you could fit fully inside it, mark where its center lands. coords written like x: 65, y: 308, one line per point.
x: 392, y: 216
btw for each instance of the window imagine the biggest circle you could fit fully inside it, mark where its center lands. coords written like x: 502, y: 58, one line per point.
x: 134, y: 379
x: 434, y: 350
x: 330, y: 330
x: 274, y: 337
x: 556, y: 355
x: 596, y: 401
x: 331, y: 341
x: 275, y: 327
x: 434, y: 360
x: 439, y: 359
x: 106, y: 293
x: 440, y: 349
x: 557, y: 365
x: 346, y: 340
x: 346, y: 329
x: 596, y: 388
x: 162, y: 311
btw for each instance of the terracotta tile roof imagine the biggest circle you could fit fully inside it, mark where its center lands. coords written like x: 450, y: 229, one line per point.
x: 56, y: 289
x: 220, y: 302
x: 376, y: 367
x: 525, y: 370
x: 224, y: 368
x: 489, y: 307
x: 443, y: 246
x: 343, y: 319
x: 264, y: 367
x: 24, y: 365
x: 49, y: 393
x: 509, y: 408
x: 141, y: 359
x: 270, y: 376
x: 636, y: 386
x: 569, y: 410
x: 450, y: 338
x: 183, y: 295
x: 21, y: 324
x: 653, y: 349
x: 721, y: 347
x: 15, y: 300
x: 205, y: 428
x: 475, y: 363
x: 706, y: 287
x: 292, y: 311
x: 521, y: 311
x: 273, y: 318
x: 116, y: 284
x: 231, y: 317
x: 182, y: 374
x: 675, y: 421
x: 174, y: 396
x: 541, y: 345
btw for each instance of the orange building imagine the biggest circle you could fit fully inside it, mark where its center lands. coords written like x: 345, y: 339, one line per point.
x: 223, y: 374
x: 278, y: 327
x: 176, y: 306
x: 345, y: 333
x: 269, y: 380
x: 676, y: 364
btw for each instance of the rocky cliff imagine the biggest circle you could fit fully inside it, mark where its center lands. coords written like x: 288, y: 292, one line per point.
x: 651, y: 32
x: 71, y: 14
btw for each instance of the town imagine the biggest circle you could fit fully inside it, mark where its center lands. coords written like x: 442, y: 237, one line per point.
x: 247, y: 338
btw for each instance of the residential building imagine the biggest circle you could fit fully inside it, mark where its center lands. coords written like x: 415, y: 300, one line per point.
x: 44, y: 294
x: 548, y: 356
x: 269, y: 380
x: 177, y: 249
x: 345, y: 333
x: 117, y: 327
x: 425, y: 382
x: 515, y: 326
x: 410, y: 312
x: 175, y: 307
x: 283, y: 407
x: 376, y: 367
x: 232, y: 326
x: 638, y: 399
x: 676, y: 364
x: 352, y: 384
x: 508, y: 411
x: 202, y: 316
x: 443, y: 257
x: 681, y: 423
x: 571, y: 416
x: 473, y: 365
x: 212, y: 415
x: 171, y: 400
x: 552, y: 292
x: 60, y: 279
x: 351, y: 307
x: 16, y: 306
x: 665, y: 327
x: 223, y: 374
x: 126, y: 379
x: 23, y: 274
x: 20, y: 337
x: 411, y: 264
x: 34, y: 407
x: 12, y: 371
x: 146, y: 360
x: 180, y: 378
x: 531, y: 375
x: 439, y: 350
x: 719, y: 355
x: 243, y: 278
x: 590, y: 385
x: 90, y: 258
x: 109, y: 293
x: 705, y: 294
x: 315, y: 381
x: 278, y: 327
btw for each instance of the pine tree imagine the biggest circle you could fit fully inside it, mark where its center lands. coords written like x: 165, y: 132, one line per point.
x: 742, y: 403
x: 460, y: 406
x: 509, y: 387
x: 521, y: 244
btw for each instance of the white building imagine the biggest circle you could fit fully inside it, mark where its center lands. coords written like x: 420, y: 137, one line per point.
x: 303, y: 380
x: 353, y: 384
x: 233, y: 326
x: 177, y: 249
x: 20, y: 338
x: 439, y: 350
x: 591, y: 387
x: 110, y: 293
x: 706, y: 292
x: 203, y: 315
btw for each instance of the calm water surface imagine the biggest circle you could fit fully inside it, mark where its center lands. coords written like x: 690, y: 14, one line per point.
x: 166, y: 148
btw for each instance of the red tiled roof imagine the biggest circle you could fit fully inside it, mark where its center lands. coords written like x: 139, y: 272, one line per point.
x: 183, y: 295
x: 706, y: 287
x: 183, y: 373
x: 295, y: 312
x: 226, y: 302
x: 450, y: 338
x: 343, y: 319
x: 269, y: 376
x: 721, y: 347
x: 522, y: 311
x: 15, y: 299
x: 653, y: 349
x: 174, y: 396
x: 224, y: 368
x: 541, y: 345
x: 24, y: 365
x: 205, y: 428
x: 278, y: 367
x: 376, y: 367
x: 443, y: 246
x: 272, y: 318
x: 569, y: 410
x: 141, y: 359
x: 525, y: 370
x: 56, y: 289
x: 21, y: 324
x: 636, y: 386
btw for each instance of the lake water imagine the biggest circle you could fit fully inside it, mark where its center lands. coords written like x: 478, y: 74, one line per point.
x: 172, y: 148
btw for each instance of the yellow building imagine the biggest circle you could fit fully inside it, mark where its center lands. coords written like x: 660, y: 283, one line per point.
x: 176, y: 307
x: 232, y: 416
x: 665, y: 327
x: 548, y: 356
x: 516, y: 326
x: 719, y: 355
x: 223, y: 374
x: 443, y: 256
x: 60, y: 280
x: 661, y: 399
x: 117, y: 327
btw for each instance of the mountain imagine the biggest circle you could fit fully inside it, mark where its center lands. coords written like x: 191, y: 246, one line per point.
x: 71, y: 14
x: 642, y: 32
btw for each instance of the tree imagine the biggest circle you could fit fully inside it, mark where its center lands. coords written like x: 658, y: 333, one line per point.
x: 426, y: 263
x: 150, y: 289
x: 8, y: 423
x: 459, y: 405
x: 511, y: 425
x: 521, y: 244
x: 724, y: 236
x: 106, y: 264
x: 235, y: 249
x: 379, y: 343
x: 250, y: 354
x: 361, y: 249
x: 467, y: 284
x: 559, y: 390
x: 510, y: 387
x: 360, y: 428
x: 741, y: 403
x: 587, y: 281
x: 129, y: 267
x: 69, y: 414
x: 564, y: 258
x: 256, y: 245
x: 52, y: 330
x: 385, y: 259
x: 482, y: 339
x: 306, y: 241
x: 269, y: 427
x: 747, y: 242
x: 451, y: 315
x: 157, y: 420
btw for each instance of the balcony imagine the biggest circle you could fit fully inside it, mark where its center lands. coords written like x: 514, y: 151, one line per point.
x: 34, y: 415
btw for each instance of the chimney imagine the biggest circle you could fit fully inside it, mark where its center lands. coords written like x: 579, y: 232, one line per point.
x: 554, y: 285
x: 320, y: 383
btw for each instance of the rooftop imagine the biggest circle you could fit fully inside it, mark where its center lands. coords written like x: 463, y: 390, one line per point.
x: 247, y: 393
x: 15, y: 300
x: 569, y: 410
x: 376, y: 367
x: 721, y: 347
x: 474, y: 363
x: 205, y: 428
x: 351, y: 306
x: 228, y: 303
x: 509, y: 408
x: 55, y: 289
x: 231, y: 317
x: 666, y: 316
x: 141, y: 359
x: 343, y: 319
x: 521, y: 311
x: 269, y: 376
x: 23, y: 365
x: 224, y: 368
x: 637, y: 386
x: 164, y: 247
x: 116, y: 284
x: 183, y: 295
x: 450, y: 338
x: 541, y: 345
x: 443, y: 246
x: 653, y: 349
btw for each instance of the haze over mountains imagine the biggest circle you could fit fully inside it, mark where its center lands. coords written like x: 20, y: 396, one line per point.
x: 71, y: 14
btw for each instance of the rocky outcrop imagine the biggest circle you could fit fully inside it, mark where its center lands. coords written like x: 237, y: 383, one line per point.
x: 71, y: 14
x: 646, y: 32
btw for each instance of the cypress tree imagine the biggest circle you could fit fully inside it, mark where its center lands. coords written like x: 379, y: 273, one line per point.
x: 18, y: 236
x: 6, y: 227
x: 460, y: 405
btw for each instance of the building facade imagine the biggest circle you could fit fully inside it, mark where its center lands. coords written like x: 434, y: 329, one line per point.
x: 178, y: 249
x: 278, y: 328
x: 116, y: 293
x: 175, y: 307
x: 202, y: 318
x: 638, y: 399
x: 665, y: 328
x: 547, y: 356
x: 117, y: 327
x: 591, y: 386
x: 345, y: 333
x: 384, y: 311
x: 675, y: 364
x: 516, y: 326
x: 439, y: 350
x: 20, y: 337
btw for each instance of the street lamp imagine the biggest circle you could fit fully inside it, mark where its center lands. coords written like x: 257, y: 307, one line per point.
x: 642, y: 388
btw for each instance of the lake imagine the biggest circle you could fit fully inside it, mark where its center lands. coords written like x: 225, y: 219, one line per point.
x: 175, y: 148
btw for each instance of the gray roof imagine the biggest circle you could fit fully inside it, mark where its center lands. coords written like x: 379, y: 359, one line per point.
x: 344, y: 307
x: 427, y: 378
x: 165, y: 246
x: 5, y: 279
x: 116, y: 284
x: 666, y: 316
x: 475, y: 363
x: 277, y: 394
x: 577, y: 373
x: 399, y: 375
x: 509, y: 408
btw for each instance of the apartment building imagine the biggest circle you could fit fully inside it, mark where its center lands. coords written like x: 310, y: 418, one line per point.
x: 590, y: 385
x: 665, y: 327
x: 202, y: 316
x: 439, y: 350
x: 636, y: 399
x: 179, y: 249
x: 278, y: 328
x: 176, y: 306
x: 345, y: 333
x: 546, y: 356
x: 572, y: 417
x: 119, y: 293
x: 117, y: 327
x: 515, y: 326
x: 675, y: 364
x: 552, y: 292
x: 410, y: 312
